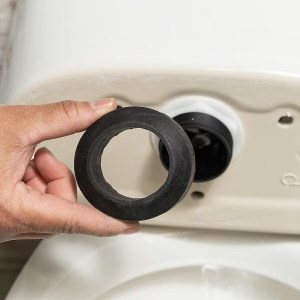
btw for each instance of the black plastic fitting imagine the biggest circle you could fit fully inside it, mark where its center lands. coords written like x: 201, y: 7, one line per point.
x: 212, y: 143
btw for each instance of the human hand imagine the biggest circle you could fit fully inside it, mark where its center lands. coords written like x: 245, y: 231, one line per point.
x: 38, y: 196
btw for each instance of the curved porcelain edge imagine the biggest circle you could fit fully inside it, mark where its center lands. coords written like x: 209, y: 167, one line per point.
x: 84, y: 267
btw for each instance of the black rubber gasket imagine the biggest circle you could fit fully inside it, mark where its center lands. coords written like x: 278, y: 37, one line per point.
x: 99, y: 192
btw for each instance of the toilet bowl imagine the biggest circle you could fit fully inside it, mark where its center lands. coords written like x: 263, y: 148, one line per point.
x: 236, y: 232
x: 163, y: 264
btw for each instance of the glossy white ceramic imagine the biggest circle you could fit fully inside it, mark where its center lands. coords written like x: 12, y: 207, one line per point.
x: 243, y: 54
x: 163, y: 264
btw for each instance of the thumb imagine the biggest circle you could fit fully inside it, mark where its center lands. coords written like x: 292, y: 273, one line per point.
x: 44, y: 122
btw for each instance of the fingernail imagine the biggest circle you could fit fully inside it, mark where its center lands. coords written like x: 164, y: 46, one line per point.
x: 47, y: 150
x: 131, y: 230
x: 103, y: 103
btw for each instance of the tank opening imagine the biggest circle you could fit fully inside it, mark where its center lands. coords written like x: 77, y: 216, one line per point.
x: 212, y: 143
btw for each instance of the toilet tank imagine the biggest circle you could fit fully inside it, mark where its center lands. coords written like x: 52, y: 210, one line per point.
x: 244, y: 55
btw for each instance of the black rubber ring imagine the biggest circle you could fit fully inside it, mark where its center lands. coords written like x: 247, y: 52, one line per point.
x: 100, y: 194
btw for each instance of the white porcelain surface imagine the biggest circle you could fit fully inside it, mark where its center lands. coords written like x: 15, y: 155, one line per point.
x: 162, y: 37
x: 163, y: 264
x: 245, y: 54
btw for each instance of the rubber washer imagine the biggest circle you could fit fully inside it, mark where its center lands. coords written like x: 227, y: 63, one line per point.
x: 102, y: 195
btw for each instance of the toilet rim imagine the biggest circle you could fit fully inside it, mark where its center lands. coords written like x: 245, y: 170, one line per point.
x: 266, y: 255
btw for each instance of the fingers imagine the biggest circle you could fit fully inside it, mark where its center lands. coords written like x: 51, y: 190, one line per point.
x: 58, y: 177
x: 56, y: 215
x: 56, y: 211
x: 43, y: 202
x: 48, y: 175
x: 33, y: 179
x: 31, y: 236
x: 67, y: 117
x: 37, y: 123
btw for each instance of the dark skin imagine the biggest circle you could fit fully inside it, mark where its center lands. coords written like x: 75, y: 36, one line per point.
x: 38, y: 196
